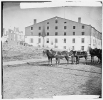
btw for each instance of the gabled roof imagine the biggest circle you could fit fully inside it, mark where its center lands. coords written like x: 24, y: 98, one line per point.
x: 63, y: 19
x: 60, y: 18
x: 96, y: 30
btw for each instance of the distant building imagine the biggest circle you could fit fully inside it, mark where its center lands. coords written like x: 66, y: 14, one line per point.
x: 4, y: 36
x: 15, y: 35
x: 19, y: 36
x: 62, y: 33
x: 11, y: 35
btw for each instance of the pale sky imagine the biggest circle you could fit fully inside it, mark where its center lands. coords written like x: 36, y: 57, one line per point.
x: 13, y: 16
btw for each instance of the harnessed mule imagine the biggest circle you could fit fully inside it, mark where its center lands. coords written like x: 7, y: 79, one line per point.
x: 50, y: 55
x: 57, y: 55
x: 78, y: 55
x: 95, y: 52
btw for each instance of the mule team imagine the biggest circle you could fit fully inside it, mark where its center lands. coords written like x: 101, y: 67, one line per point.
x: 74, y: 55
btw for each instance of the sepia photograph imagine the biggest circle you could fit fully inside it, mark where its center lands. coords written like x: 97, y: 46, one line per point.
x: 50, y: 49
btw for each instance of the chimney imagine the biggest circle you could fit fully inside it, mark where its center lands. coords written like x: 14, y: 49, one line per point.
x: 34, y: 21
x: 79, y: 19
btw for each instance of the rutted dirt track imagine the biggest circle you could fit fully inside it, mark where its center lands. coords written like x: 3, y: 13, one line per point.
x: 38, y: 80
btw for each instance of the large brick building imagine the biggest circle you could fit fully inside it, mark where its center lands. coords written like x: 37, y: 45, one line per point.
x: 62, y: 33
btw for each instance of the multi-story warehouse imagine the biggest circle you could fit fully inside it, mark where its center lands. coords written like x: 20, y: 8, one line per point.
x: 63, y: 34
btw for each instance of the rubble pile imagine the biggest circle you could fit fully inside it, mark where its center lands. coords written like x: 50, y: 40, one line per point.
x: 12, y: 52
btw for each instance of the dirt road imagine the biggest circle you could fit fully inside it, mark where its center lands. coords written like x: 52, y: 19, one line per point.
x: 38, y: 80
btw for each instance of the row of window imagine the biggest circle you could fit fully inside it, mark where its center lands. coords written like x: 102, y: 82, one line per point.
x: 73, y: 47
x: 56, y: 33
x: 56, y: 27
x: 56, y: 40
x: 73, y: 40
x: 56, y: 21
x: 95, y: 42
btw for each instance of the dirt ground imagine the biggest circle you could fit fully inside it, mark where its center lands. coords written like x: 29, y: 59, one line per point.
x: 40, y: 80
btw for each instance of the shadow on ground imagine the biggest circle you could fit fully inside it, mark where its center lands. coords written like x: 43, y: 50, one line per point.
x: 92, y: 87
x: 45, y: 63
x: 96, y: 64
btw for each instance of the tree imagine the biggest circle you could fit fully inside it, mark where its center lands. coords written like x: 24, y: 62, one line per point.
x: 43, y: 35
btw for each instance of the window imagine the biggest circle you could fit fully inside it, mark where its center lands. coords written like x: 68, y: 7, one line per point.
x: 64, y: 40
x: 47, y: 33
x: 39, y: 40
x: 56, y: 40
x: 39, y: 34
x: 73, y: 27
x: 56, y: 33
x: 72, y: 47
x: 64, y: 33
x: 82, y: 47
x: 82, y: 33
x: 31, y: 28
x: 39, y: 28
x: 47, y: 22
x: 82, y: 27
x: 73, y: 33
x: 31, y: 40
x: 47, y: 40
x: 64, y: 47
x: 65, y: 27
x: 56, y: 21
x: 73, y: 41
x: 47, y: 27
x: 56, y: 27
x: 82, y: 40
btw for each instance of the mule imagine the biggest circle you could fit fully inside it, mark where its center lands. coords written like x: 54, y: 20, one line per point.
x: 60, y: 55
x: 50, y: 55
x: 78, y: 55
x: 57, y: 55
x: 95, y: 52
x: 99, y: 55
